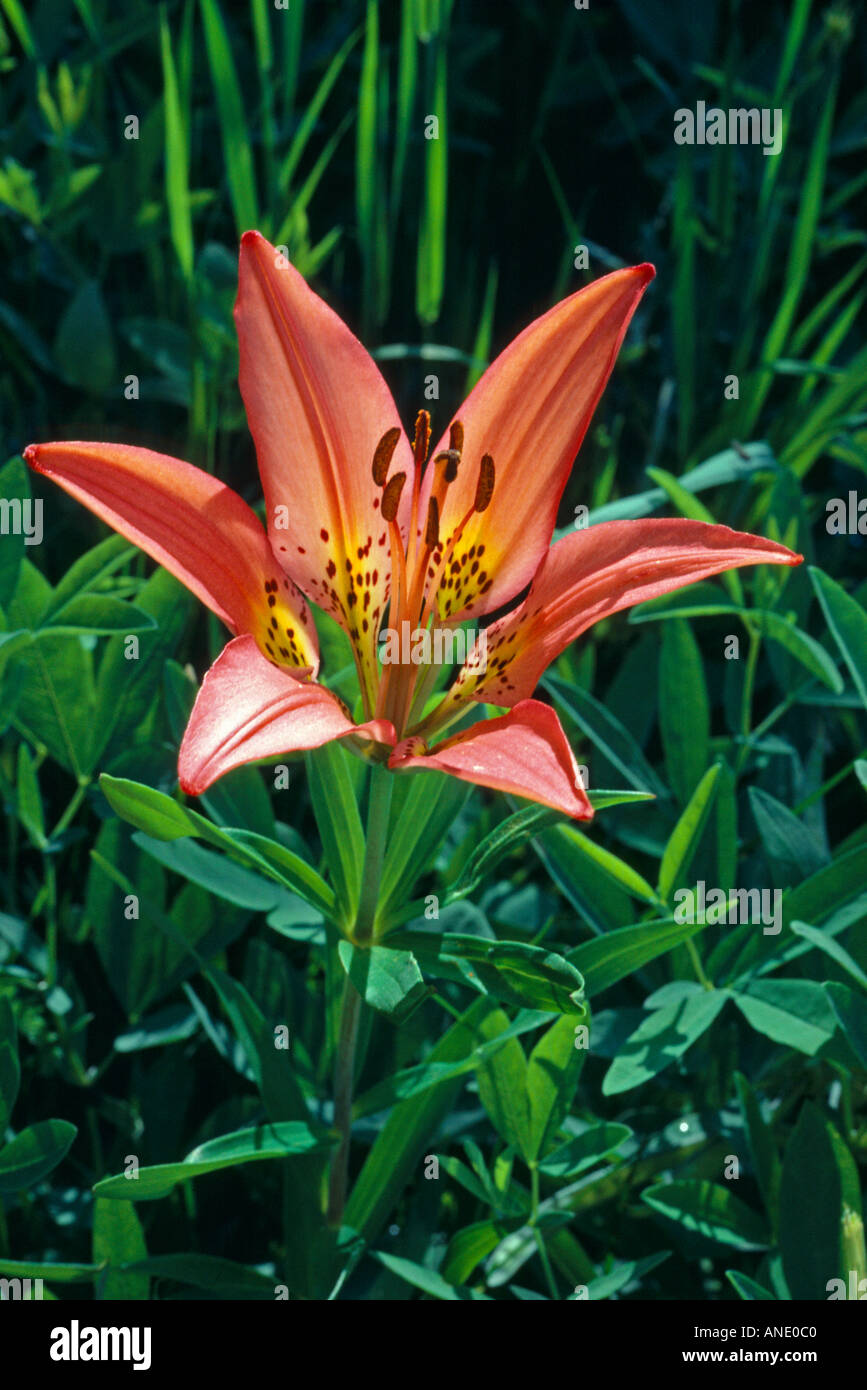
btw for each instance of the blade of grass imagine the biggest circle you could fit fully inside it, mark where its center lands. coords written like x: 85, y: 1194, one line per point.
x: 430, y: 273
x: 176, y: 159
x: 233, y: 125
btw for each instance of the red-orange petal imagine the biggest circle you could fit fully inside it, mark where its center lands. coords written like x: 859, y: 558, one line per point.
x: 524, y: 752
x: 246, y: 709
x: 317, y: 407
x: 530, y: 412
x: 198, y: 528
x: 593, y: 573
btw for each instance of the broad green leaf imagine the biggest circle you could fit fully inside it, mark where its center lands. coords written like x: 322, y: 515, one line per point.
x: 793, y: 851
x: 118, y: 1239
x: 430, y: 268
x: 553, y: 1069
x: 819, y: 1184
x: 502, y: 1082
x: 661, y: 1038
x: 683, y: 841
x: 293, y: 1137
x: 601, y: 800
x: 705, y: 1211
x: 584, y: 1151
x: 57, y: 698
x: 388, y: 980
x: 848, y: 623
x: 33, y: 1153
x: 729, y: 466
x: 793, y: 1012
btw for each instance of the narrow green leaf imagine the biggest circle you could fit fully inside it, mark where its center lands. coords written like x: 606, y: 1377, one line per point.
x: 233, y: 124
x: 684, y: 709
x: 848, y: 623
x: 336, y: 812
x: 820, y: 1181
x: 709, y: 1212
x: 683, y: 841
x: 243, y: 1146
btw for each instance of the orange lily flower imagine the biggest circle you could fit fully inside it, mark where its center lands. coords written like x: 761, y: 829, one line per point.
x: 357, y: 525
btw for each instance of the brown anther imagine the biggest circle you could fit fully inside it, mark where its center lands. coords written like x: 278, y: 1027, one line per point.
x: 456, y: 436
x: 391, y: 496
x: 421, y: 438
x: 451, y: 458
x: 432, y: 530
x: 485, y: 485
x: 383, y: 455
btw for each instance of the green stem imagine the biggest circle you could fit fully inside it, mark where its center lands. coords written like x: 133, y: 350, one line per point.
x: 344, y: 1068
x: 747, y: 698
x: 379, y: 807
x: 697, y: 965
x: 537, y: 1234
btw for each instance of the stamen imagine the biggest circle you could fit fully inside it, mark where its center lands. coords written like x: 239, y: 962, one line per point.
x: 420, y: 446
x: 421, y: 438
x: 432, y: 530
x: 391, y: 496
x: 383, y: 455
x: 452, y: 455
x: 484, y: 493
x: 485, y: 485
